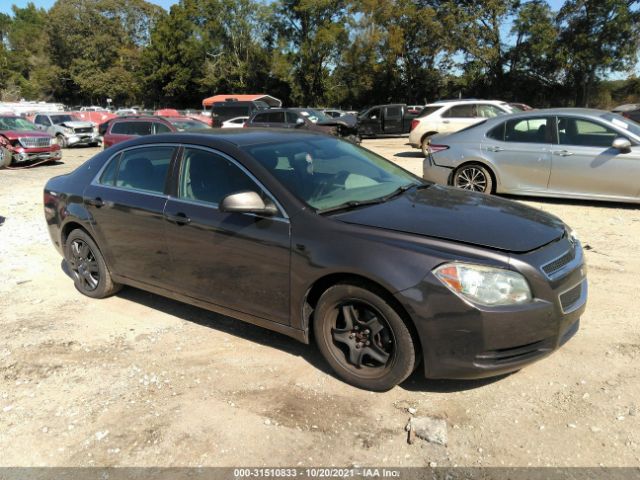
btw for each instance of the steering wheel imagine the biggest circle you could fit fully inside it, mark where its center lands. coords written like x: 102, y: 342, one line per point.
x: 324, y: 186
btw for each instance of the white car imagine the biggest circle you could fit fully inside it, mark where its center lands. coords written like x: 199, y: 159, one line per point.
x: 449, y: 116
x: 236, y: 122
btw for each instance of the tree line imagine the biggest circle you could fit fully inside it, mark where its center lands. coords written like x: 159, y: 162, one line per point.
x: 321, y: 52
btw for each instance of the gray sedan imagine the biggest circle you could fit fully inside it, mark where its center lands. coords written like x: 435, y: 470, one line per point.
x: 564, y: 152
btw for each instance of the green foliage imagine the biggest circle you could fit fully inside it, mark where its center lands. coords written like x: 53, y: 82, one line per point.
x: 346, y: 53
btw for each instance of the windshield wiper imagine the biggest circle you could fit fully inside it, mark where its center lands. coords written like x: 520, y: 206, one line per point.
x: 359, y: 203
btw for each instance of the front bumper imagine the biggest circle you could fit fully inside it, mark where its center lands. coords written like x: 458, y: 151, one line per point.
x: 82, y: 139
x: 461, y: 341
x: 29, y: 155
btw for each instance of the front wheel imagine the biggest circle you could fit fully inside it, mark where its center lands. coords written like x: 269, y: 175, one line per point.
x: 62, y: 141
x: 363, y: 338
x: 473, y: 177
x: 88, y: 268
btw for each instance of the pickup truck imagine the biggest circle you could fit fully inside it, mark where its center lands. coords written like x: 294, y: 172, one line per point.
x: 393, y: 119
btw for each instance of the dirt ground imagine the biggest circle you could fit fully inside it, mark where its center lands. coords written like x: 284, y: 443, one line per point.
x: 139, y: 380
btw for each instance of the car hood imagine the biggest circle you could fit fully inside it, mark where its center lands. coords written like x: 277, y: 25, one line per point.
x: 16, y: 134
x: 461, y: 216
x: 76, y: 124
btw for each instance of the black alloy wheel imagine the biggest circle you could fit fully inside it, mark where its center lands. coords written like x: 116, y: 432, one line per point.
x: 88, y: 268
x: 363, y: 337
x: 473, y: 177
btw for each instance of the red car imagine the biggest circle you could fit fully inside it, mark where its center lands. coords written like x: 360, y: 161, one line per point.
x: 21, y: 141
x: 125, y: 128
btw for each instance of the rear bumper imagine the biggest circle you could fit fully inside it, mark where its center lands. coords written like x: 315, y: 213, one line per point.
x: 436, y: 173
x: 461, y: 341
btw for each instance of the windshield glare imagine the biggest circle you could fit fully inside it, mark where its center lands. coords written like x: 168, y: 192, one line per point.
x: 16, y: 123
x: 58, y: 119
x: 183, y: 125
x: 326, y: 173
x: 315, y: 116
x: 623, y: 122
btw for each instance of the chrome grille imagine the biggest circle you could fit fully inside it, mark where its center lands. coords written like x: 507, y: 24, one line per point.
x: 569, y: 298
x: 83, y: 130
x: 35, y: 142
x: 557, y: 264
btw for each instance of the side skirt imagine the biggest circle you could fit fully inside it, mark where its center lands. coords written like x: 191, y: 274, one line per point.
x: 245, y: 317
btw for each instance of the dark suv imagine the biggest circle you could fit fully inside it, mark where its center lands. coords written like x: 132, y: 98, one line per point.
x: 125, y: 128
x: 306, y: 119
x: 222, y: 111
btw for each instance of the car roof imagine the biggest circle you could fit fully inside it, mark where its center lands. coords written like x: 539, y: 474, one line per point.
x: 238, y: 137
x: 464, y: 101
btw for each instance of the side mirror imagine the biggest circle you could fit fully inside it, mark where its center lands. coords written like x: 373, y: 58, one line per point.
x: 247, y: 202
x: 622, y: 144
x: 374, y: 117
x: 299, y: 122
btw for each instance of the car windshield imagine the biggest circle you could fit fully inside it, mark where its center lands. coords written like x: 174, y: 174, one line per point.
x: 314, y: 115
x: 58, y: 119
x: 183, y: 125
x: 15, y: 123
x: 623, y: 122
x: 328, y: 173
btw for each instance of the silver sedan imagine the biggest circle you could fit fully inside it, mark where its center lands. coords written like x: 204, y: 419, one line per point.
x: 563, y: 152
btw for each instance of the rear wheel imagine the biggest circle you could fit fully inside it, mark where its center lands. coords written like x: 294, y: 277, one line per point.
x: 88, y: 268
x: 363, y: 338
x: 424, y: 145
x: 473, y: 177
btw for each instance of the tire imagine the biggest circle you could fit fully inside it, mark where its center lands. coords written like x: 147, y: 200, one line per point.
x: 363, y: 338
x: 473, y: 177
x: 91, y: 276
x: 424, y: 145
x: 62, y: 141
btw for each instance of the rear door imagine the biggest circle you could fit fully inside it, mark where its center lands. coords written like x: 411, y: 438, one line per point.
x: 260, y: 120
x: 521, y: 151
x: 584, y: 162
x: 458, y: 117
x: 235, y: 260
x: 392, y: 119
x: 127, y: 202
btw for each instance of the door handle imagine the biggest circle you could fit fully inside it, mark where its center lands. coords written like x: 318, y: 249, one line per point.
x: 178, y: 218
x: 494, y: 149
x: 445, y: 121
x: 96, y: 202
x: 563, y: 153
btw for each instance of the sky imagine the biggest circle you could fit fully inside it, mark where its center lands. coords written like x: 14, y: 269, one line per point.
x: 5, y: 5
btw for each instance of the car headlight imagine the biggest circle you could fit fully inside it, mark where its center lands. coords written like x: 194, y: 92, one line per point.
x: 488, y: 286
x: 68, y: 130
x: 572, y: 234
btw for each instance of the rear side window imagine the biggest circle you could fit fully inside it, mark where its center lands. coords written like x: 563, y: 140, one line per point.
x: 527, y: 130
x: 131, y: 128
x: 428, y: 111
x: 394, y: 111
x: 108, y: 176
x: 460, y: 111
x: 143, y: 169
x: 275, y: 117
x: 497, y: 133
x: 261, y: 118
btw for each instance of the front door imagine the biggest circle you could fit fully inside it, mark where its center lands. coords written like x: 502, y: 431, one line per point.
x: 584, y: 162
x: 370, y: 123
x: 127, y: 205
x: 392, y: 121
x: 235, y: 260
